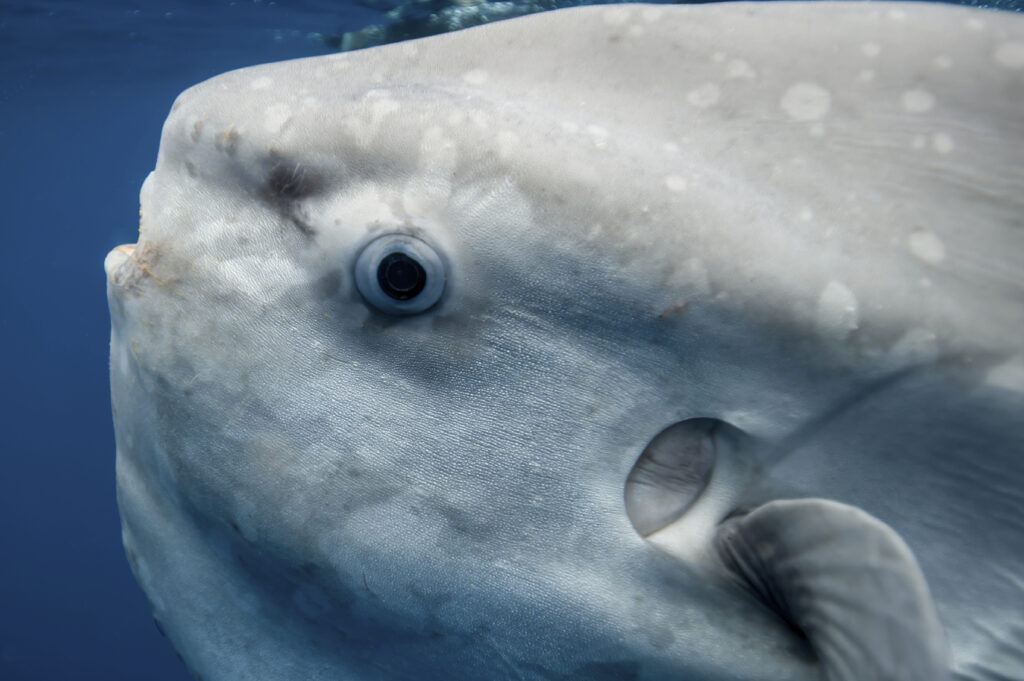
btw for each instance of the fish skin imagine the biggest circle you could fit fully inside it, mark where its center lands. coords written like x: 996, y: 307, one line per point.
x: 647, y: 214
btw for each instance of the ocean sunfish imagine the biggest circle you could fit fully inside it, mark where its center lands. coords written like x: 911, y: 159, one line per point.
x: 615, y: 343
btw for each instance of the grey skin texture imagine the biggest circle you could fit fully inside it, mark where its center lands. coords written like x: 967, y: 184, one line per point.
x: 800, y: 221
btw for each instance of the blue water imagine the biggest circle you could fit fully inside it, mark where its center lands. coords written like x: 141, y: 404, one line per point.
x: 84, y: 88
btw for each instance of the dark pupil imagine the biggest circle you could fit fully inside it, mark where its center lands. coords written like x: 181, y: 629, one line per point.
x: 401, y: 277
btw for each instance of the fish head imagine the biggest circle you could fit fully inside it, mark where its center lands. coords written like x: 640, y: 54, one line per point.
x: 405, y: 331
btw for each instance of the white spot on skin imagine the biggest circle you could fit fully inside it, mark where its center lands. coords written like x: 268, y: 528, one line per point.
x: 866, y: 76
x: 261, y: 83
x: 943, y: 143
x: 275, y: 117
x: 926, y: 246
x: 599, y: 135
x: 676, y: 183
x: 919, y: 142
x: 436, y: 148
x: 871, y: 49
x: 475, y: 77
x: 1009, y: 375
x: 690, y: 276
x: 837, y: 311
x: 975, y: 24
x: 616, y: 16
x: 671, y: 148
x: 738, y: 68
x: 1010, y: 55
x: 635, y: 31
x: 704, y: 96
x: 817, y: 130
x: 365, y: 128
x: 382, y: 108
x: 569, y: 127
x: 943, y: 61
x: 806, y: 102
x: 916, y: 346
x: 718, y: 57
x: 897, y: 14
x: 806, y: 214
x: 918, y: 101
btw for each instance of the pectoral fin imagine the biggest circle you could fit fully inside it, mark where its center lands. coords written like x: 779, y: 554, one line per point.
x: 847, y: 581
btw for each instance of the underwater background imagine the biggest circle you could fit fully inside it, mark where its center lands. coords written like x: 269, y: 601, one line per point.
x: 84, y: 89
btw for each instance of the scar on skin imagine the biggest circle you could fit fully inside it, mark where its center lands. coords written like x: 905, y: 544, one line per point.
x: 288, y: 183
x: 674, y: 310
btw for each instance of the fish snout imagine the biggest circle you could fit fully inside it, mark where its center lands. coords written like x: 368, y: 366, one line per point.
x: 127, y: 266
x: 120, y: 265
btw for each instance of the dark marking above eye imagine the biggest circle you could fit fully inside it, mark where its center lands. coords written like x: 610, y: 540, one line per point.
x: 287, y: 184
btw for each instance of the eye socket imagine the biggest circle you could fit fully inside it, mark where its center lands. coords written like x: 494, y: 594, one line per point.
x: 400, y: 274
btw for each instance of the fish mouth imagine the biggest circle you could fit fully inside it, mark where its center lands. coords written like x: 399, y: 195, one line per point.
x: 118, y: 263
x: 127, y: 266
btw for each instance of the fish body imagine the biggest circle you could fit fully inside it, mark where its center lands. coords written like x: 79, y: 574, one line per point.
x: 401, y: 324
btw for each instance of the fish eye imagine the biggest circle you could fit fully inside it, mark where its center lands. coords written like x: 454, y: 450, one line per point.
x: 399, y: 274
